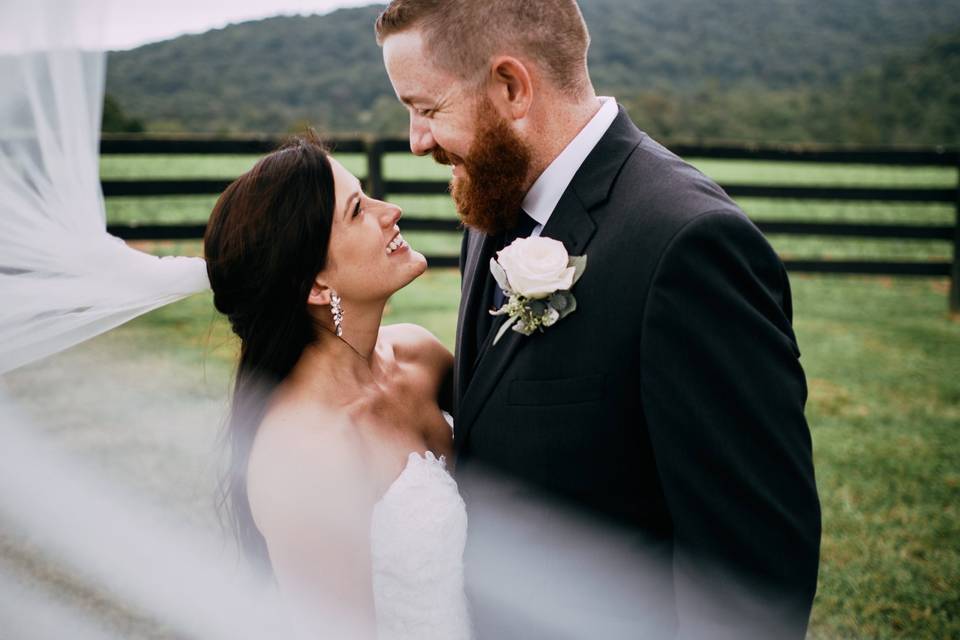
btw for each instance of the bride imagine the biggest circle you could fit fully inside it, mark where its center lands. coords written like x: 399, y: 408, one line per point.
x: 339, y: 443
x: 337, y: 432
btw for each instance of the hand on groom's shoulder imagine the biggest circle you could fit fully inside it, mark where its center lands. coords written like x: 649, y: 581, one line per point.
x: 418, y: 343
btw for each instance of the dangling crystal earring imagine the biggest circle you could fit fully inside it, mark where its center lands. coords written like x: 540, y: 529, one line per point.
x: 337, y: 311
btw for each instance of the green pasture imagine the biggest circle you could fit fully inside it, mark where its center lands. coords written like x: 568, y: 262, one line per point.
x: 882, y: 358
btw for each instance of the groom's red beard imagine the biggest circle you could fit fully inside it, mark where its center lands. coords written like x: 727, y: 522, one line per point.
x: 488, y: 197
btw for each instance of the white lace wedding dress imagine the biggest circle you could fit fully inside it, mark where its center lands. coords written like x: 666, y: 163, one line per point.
x: 417, y: 537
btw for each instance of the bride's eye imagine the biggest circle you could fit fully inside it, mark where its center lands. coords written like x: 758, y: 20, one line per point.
x: 356, y: 210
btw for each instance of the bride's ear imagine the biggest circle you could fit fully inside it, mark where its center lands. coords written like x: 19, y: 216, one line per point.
x: 319, y: 294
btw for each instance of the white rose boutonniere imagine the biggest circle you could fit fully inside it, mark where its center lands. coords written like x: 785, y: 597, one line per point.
x: 536, y: 274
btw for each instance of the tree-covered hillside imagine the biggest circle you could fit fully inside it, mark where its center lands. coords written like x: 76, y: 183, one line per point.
x: 711, y: 69
x: 906, y: 99
x: 912, y: 97
x: 777, y: 44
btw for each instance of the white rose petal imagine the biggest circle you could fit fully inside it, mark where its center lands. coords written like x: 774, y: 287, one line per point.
x: 537, y: 267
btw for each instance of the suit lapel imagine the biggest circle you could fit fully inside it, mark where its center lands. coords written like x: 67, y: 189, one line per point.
x: 573, y: 223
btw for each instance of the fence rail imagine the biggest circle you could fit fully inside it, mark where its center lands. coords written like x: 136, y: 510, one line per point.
x: 378, y: 186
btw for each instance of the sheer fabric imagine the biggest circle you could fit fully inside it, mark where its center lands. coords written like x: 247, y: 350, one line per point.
x: 63, y: 278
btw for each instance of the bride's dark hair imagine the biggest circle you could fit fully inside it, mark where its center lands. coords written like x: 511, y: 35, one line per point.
x: 265, y: 243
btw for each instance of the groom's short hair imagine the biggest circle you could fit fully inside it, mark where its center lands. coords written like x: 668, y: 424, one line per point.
x: 463, y: 35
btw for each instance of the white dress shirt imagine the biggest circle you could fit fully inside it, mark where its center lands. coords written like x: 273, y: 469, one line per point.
x: 545, y: 193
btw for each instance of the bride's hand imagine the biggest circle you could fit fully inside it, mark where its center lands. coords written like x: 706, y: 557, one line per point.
x: 417, y: 345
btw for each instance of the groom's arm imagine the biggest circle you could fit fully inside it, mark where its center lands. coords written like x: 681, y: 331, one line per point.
x: 724, y: 394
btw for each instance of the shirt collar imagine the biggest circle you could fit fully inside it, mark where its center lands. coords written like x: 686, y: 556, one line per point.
x: 543, y: 196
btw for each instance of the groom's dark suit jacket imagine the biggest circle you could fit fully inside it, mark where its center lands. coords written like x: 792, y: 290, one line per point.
x: 668, y: 407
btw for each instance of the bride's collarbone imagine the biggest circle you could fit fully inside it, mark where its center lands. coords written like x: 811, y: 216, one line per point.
x: 398, y: 397
x: 404, y: 416
x: 394, y: 414
x: 396, y: 420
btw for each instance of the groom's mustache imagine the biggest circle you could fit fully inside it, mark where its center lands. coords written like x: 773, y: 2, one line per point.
x: 440, y: 156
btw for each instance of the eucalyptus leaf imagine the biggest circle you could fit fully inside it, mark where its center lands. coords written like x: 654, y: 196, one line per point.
x: 499, y: 275
x: 537, y: 307
x: 580, y: 264
x: 506, y: 327
x: 559, y: 301
x: 570, y: 307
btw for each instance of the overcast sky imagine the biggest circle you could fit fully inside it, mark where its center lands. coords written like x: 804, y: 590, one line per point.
x: 131, y: 23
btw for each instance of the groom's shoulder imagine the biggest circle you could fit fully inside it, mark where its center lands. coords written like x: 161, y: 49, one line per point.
x: 657, y: 193
x: 658, y: 199
x: 630, y: 171
x: 662, y: 181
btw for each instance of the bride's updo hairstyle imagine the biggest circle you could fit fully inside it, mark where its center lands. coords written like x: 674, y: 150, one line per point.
x: 265, y: 243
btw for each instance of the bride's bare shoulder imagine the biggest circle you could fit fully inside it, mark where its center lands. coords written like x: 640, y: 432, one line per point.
x: 304, y: 454
x: 413, y: 342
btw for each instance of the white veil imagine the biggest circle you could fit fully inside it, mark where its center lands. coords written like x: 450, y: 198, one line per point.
x: 63, y: 279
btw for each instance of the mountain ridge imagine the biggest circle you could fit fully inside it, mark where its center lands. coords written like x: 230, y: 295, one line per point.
x: 660, y: 57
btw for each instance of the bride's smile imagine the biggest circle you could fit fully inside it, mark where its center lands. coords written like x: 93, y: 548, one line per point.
x: 369, y: 259
x: 397, y: 244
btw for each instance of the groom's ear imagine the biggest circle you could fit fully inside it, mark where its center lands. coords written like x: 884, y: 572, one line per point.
x: 319, y: 293
x: 511, y: 89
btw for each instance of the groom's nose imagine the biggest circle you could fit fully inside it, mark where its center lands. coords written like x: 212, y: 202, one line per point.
x: 421, y: 138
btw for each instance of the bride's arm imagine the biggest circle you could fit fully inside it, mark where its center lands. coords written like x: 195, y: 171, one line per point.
x: 312, y: 500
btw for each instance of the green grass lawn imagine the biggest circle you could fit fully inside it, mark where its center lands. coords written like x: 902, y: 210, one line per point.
x: 882, y: 358
x: 883, y: 365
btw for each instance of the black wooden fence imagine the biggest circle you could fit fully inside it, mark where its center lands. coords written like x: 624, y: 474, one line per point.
x: 378, y: 186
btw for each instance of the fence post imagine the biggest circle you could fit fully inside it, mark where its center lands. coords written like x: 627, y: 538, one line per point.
x: 955, y: 270
x: 376, y: 187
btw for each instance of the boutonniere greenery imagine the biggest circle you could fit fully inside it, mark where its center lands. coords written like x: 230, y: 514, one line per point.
x: 536, y: 275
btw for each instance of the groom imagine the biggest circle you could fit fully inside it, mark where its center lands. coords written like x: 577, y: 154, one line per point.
x: 670, y: 403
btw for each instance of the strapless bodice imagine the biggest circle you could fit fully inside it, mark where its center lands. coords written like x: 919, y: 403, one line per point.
x: 417, y: 536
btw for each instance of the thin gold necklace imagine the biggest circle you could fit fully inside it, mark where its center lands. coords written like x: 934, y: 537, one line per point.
x: 359, y: 355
